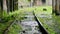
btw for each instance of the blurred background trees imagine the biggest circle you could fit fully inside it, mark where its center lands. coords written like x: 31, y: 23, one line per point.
x: 56, y: 6
x: 7, y: 6
x: 12, y: 5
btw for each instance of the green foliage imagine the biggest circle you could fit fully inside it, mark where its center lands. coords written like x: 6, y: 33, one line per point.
x: 46, y: 26
x: 5, y: 14
x: 14, y: 29
x: 17, y: 15
x: 12, y: 16
x: 50, y: 22
x: 29, y: 0
x: 43, y: 14
x: 3, y: 26
x: 7, y: 19
x: 41, y: 11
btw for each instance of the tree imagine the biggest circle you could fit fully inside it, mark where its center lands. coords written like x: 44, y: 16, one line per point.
x: 43, y: 1
x: 1, y: 8
x: 12, y: 5
x: 56, y: 6
x: 15, y: 5
x: 4, y: 5
x: 1, y: 4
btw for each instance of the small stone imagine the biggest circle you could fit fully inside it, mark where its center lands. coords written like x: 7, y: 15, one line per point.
x: 46, y: 28
x: 23, y: 31
x: 44, y: 9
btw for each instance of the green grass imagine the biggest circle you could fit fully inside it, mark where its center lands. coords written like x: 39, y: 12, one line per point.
x: 41, y: 11
x: 3, y: 26
x: 54, y: 20
x: 8, y: 18
x: 14, y: 29
x: 49, y: 29
x: 38, y: 12
x: 44, y: 20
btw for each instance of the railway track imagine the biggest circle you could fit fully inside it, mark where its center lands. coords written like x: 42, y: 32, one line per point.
x: 41, y: 28
x: 30, y: 25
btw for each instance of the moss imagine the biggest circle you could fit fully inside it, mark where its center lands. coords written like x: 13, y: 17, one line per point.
x: 16, y: 15
x: 44, y: 20
x: 3, y: 26
x: 7, y: 19
x: 14, y: 29
x: 49, y: 29
x: 52, y: 28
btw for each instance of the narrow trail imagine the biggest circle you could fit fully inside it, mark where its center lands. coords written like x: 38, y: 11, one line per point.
x: 29, y: 25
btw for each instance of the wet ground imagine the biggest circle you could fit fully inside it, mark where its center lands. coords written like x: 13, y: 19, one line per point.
x: 29, y: 25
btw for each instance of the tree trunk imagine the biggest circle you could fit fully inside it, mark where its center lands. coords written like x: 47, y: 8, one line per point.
x: 4, y: 5
x: 56, y: 5
x: 12, y: 5
x: 1, y: 4
x: 1, y: 8
x: 15, y: 5
x: 8, y: 5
